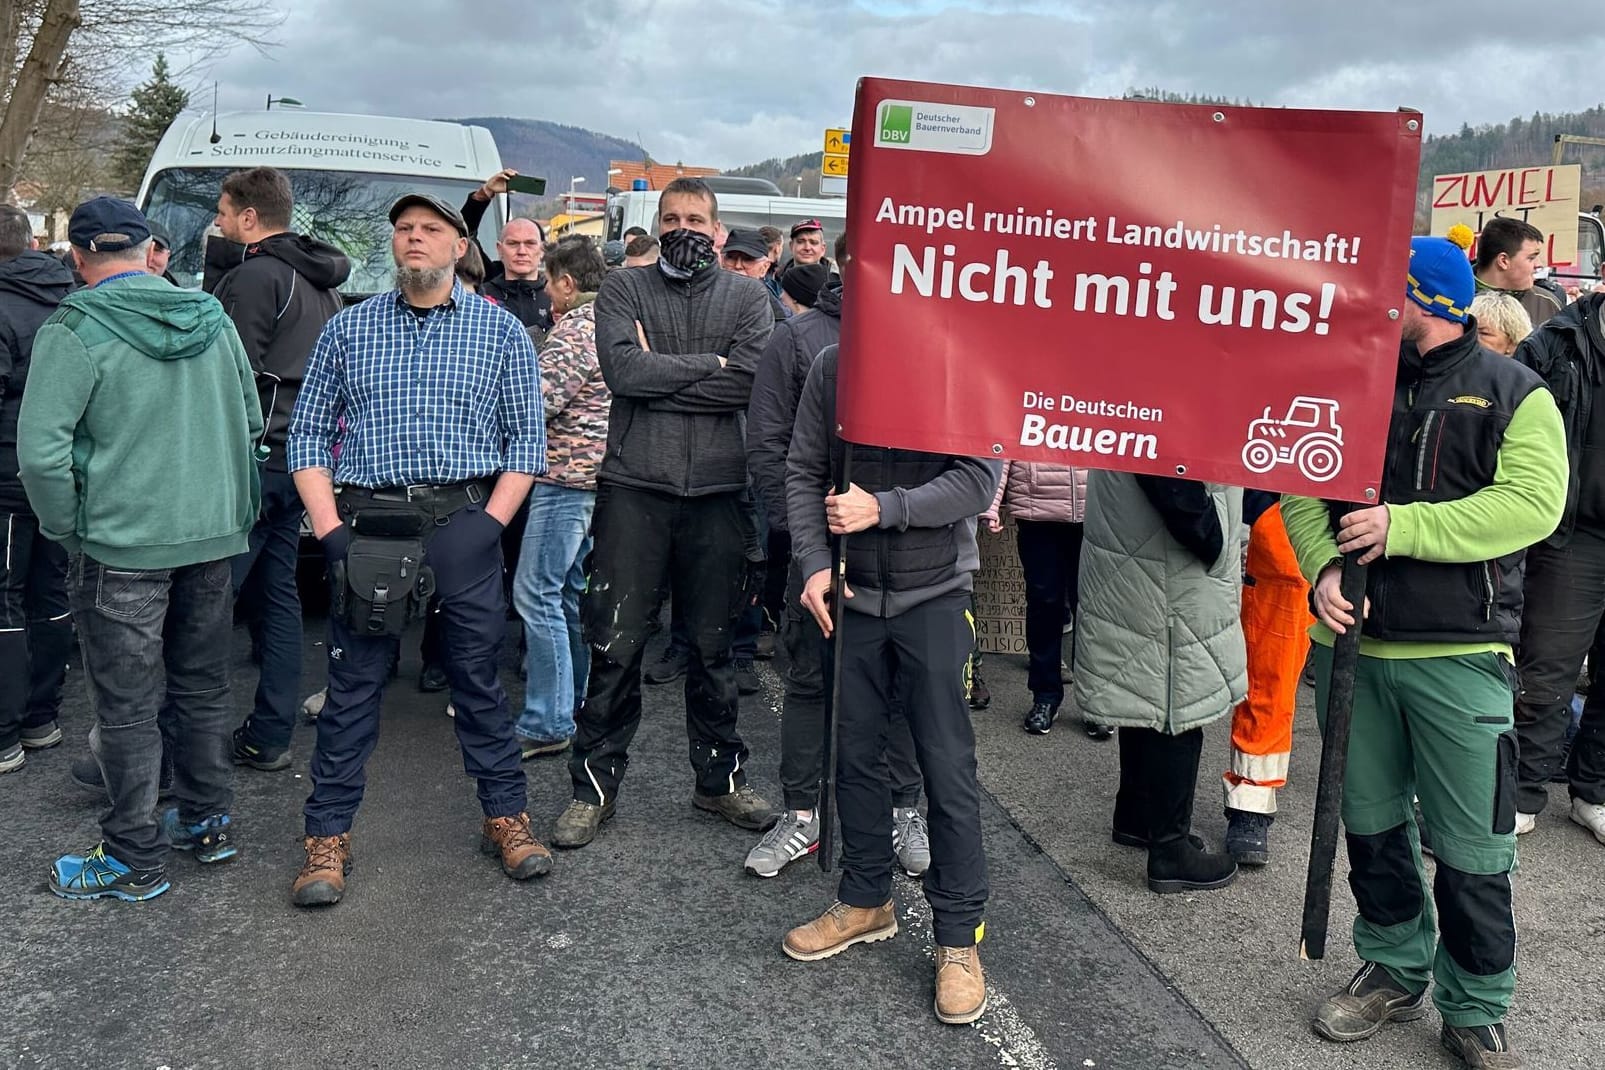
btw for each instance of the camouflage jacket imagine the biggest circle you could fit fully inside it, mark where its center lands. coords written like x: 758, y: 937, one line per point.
x: 576, y: 400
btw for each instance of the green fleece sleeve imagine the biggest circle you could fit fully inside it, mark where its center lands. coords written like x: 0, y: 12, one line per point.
x: 1520, y: 507
x: 1309, y: 529
x: 60, y: 382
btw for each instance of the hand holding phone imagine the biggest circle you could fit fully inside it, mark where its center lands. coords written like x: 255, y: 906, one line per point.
x: 517, y: 183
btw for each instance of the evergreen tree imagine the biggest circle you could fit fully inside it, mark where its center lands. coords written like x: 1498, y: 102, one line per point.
x: 154, y: 107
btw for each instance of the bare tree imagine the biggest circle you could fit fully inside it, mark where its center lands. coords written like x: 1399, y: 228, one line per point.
x: 48, y: 44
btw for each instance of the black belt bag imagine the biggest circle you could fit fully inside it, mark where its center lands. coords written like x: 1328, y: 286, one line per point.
x: 383, y: 585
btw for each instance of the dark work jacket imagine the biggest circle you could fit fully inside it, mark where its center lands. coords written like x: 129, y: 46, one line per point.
x: 1451, y: 407
x: 283, y: 291
x: 676, y: 423
x: 31, y: 286
x: 1568, y: 352
x: 778, y: 384
x: 526, y: 299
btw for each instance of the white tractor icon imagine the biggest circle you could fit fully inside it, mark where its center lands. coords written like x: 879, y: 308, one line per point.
x: 1308, y: 437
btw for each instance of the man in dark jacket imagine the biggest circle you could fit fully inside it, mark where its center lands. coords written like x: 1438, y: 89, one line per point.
x: 1565, y: 583
x: 771, y: 416
x: 909, y: 522
x: 513, y: 280
x: 678, y: 344
x: 35, y: 624
x: 279, y: 297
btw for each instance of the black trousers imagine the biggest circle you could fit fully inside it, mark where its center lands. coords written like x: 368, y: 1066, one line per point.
x: 1565, y: 603
x: 802, y: 722
x: 1158, y: 778
x: 35, y: 626
x: 1050, y: 558
x: 926, y: 648
x: 649, y: 546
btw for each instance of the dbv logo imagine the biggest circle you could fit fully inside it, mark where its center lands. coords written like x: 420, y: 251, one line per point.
x: 897, y: 122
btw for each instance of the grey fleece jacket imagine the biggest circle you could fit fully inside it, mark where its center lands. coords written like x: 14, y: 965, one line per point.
x: 677, y: 421
x: 956, y: 498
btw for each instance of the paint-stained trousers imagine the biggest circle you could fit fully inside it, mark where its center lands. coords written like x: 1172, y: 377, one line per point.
x: 1276, y: 621
x: 649, y: 546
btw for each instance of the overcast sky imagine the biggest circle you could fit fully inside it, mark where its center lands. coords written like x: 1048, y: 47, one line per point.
x: 730, y: 82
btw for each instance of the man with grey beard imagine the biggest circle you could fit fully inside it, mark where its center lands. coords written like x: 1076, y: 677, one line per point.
x: 433, y: 396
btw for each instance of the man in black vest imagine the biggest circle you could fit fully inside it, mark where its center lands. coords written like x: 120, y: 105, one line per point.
x: 908, y: 631
x: 1475, y: 473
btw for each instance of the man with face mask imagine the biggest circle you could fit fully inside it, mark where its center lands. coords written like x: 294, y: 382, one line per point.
x: 678, y: 344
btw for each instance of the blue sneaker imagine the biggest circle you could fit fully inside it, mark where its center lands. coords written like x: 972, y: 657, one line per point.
x: 98, y: 875
x: 211, y: 840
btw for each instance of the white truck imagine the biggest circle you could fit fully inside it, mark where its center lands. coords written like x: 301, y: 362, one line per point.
x: 346, y: 171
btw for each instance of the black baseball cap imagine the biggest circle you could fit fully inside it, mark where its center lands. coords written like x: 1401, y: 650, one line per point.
x: 158, y: 234
x: 435, y: 205
x: 107, y: 225
x: 805, y: 226
x: 748, y: 243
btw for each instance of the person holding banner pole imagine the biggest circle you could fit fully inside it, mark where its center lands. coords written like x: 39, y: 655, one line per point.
x: 1475, y: 473
x: 908, y: 522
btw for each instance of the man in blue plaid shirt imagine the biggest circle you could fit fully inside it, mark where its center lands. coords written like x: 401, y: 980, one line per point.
x: 432, y: 396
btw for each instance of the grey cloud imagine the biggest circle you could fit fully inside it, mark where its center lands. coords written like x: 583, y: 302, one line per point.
x: 731, y: 81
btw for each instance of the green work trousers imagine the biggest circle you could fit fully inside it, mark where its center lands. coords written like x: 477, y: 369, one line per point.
x: 1442, y: 730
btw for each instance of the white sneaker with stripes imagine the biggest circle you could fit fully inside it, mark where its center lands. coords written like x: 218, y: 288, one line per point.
x: 786, y: 841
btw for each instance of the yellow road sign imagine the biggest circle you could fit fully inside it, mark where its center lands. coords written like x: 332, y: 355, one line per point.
x: 836, y: 142
x: 833, y: 165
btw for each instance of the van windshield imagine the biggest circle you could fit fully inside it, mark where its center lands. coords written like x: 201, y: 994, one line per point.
x: 347, y: 209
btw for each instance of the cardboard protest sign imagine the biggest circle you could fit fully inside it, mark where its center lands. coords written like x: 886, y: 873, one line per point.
x: 1182, y: 290
x: 1546, y: 197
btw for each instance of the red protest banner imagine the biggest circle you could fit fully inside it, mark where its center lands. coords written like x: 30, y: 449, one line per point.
x: 1148, y: 287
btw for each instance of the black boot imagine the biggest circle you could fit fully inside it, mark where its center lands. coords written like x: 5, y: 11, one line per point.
x: 1175, y: 862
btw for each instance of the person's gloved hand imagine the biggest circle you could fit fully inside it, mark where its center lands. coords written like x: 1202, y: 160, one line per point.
x: 336, y: 543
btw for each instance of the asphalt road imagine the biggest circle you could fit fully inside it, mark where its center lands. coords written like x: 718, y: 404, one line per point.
x: 652, y: 948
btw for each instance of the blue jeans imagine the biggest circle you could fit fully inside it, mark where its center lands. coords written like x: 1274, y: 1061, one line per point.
x: 266, y: 573
x: 155, y: 642
x: 546, y: 593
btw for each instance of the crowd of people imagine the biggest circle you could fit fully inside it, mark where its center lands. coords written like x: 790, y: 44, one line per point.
x: 587, y: 432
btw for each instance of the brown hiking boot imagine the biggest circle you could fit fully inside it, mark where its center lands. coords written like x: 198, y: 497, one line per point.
x: 322, y: 880
x: 960, y: 985
x: 522, y: 854
x: 838, y: 929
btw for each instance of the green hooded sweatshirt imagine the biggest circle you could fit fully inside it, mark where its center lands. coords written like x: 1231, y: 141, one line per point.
x: 137, y: 431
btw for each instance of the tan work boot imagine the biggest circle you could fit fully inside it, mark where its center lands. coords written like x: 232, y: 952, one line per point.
x: 838, y: 929
x: 322, y: 880
x: 960, y: 985
x: 522, y: 854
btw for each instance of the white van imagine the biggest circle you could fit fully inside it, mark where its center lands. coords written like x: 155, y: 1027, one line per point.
x: 639, y: 208
x: 346, y: 171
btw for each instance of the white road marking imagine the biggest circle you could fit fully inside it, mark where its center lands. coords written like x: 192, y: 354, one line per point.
x: 1001, y: 1026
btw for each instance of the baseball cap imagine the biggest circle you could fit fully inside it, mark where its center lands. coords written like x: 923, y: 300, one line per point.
x: 107, y: 225
x: 158, y: 234
x: 746, y: 242
x: 434, y: 204
x: 806, y: 225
